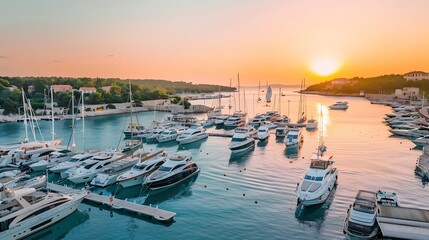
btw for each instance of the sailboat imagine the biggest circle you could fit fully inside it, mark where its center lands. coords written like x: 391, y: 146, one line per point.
x: 131, y: 145
x: 268, y: 95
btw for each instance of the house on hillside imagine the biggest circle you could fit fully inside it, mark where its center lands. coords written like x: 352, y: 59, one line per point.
x: 88, y: 89
x: 416, y: 75
x: 62, y: 88
x: 31, y: 89
x: 407, y: 93
x: 106, y: 88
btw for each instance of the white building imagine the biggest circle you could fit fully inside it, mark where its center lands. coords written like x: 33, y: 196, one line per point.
x: 62, y: 88
x: 407, y: 93
x: 88, y: 89
x: 416, y: 75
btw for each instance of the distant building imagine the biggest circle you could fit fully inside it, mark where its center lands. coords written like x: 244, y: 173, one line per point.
x: 339, y: 82
x: 11, y: 88
x: 416, y: 75
x: 30, y: 89
x: 88, y: 89
x: 61, y: 88
x: 106, y: 88
x: 407, y: 93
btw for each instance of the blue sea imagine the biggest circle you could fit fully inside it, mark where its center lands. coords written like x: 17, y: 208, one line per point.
x: 251, y: 196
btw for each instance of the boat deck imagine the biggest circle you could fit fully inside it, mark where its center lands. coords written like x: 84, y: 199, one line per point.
x: 159, y: 214
x: 402, y: 222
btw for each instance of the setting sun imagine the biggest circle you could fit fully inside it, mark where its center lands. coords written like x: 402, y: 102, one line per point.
x: 324, y: 66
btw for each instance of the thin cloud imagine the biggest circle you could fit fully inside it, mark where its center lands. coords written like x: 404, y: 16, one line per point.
x: 111, y: 55
x: 57, y: 61
x: 4, y: 57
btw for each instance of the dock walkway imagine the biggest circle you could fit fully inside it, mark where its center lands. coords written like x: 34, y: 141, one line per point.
x: 159, y: 214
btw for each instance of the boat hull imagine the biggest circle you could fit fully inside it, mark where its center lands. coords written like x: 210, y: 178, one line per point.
x: 132, y: 182
x: 192, y: 139
x: 155, y: 186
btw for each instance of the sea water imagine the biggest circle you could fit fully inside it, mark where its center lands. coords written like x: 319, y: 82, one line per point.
x: 251, y: 196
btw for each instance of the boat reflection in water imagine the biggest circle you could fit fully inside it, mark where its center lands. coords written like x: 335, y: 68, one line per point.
x: 194, y: 145
x: 291, y: 153
x: 61, y: 228
x: 181, y: 190
x: 240, y: 159
x: 314, y: 215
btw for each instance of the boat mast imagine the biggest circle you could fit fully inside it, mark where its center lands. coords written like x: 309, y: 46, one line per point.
x: 280, y: 102
x: 52, y: 115
x: 259, y: 90
x: 25, y: 115
x: 239, y: 90
x: 83, y: 119
x: 229, y: 99
x: 73, y: 122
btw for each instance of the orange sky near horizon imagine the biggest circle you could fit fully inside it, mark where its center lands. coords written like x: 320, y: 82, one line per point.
x: 210, y: 41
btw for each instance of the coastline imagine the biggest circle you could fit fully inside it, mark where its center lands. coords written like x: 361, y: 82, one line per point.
x: 333, y: 94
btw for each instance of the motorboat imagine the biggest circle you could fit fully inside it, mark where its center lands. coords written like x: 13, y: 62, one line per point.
x: 74, y: 161
x: 339, y: 106
x: 177, y: 168
x: 134, y: 130
x: 170, y: 134
x: 136, y: 175
x: 241, y: 142
x: 26, y: 211
x: 281, y: 132
x: 270, y: 125
x: 263, y: 133
x: 221, y: 119
x: 413, y: 133
x: 257, y: 122
x: 421, y: 141
x: 155, y: 134
x: 311, y: 124
x: 249, y: 130
x: 270, y: 115
x: 294, y: 138
x: 24, y: 158
x: 422, y: 164
x: 319, y: 181
x: 192, y: 135
x: 110, y: 173
x: 52, y: 160
x: 233, y: 122
x: 90, y: 168
x: 282, y: 121
x: 131, y: 146
x: 360, y: 222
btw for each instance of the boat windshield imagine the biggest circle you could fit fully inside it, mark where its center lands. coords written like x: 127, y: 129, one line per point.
x: 164, y: 169
x: 141, y: 167
x: 261, y: 130
x: 237, y: 139
x: 313, y: 178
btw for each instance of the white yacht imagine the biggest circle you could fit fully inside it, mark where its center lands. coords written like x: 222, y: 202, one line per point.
x: 74, y: 161
x: 176, y: 169
x: 233, y: 122
x: 110, y: 174
x: 339, y: 106
x: 26, y: 211
x: 155, y: 134
x: 281, y: 132
x: 52, y: 160
x: 282, y: 121
x: 318, y: 182
x: 221, y: 119
x: 192, y: 135
x: 241, y: 142
x: 422, y: 165
x: 263, y: 133
x: 294, y: 138
x: 170, y: 134
x: 421, y: 141
x: 134, y: 130
x: 413, y: 133
x: 311, y: 124
x: 360, y: 222
x: 249, y: 130
x: 90, y: 168
x: 257, y: 121
x: 136, y: 175
x: 24, y: 158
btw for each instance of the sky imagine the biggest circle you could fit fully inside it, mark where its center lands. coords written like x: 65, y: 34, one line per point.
x: 274, y: 41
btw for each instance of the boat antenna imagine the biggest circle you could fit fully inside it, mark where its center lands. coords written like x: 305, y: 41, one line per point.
x: 25, y: 114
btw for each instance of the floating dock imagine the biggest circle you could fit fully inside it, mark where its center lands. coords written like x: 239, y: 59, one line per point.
x: 402, y: 222
x: 219, y: 134
x: 159, y: 214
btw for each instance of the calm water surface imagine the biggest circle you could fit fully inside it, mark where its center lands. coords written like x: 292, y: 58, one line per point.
x: 251, y: 196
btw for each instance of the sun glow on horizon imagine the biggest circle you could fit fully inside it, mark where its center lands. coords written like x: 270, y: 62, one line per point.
x: 324, y: 66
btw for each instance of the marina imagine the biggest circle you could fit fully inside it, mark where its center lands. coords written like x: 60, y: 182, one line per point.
x: 247, y: 180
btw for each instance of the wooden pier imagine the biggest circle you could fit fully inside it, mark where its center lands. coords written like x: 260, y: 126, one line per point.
x: 118, y: 204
